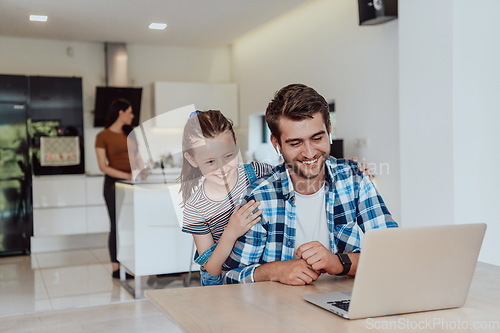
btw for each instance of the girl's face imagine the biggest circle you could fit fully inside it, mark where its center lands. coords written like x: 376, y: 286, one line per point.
x: 217, y: 158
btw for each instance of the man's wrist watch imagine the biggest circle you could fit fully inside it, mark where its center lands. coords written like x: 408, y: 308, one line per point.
x: 346, y: 263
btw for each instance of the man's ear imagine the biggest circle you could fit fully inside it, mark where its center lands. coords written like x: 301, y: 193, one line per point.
x: 190, y: 159
x: 276, y: 144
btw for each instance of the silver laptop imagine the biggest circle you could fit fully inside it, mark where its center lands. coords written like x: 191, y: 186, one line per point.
x: 404, y: 270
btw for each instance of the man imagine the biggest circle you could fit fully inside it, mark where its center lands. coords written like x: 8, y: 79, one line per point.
x: 314, y: 206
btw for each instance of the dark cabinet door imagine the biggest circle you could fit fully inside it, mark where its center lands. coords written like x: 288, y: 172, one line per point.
x: 55, y: 92
x: 13, y: 89
x: 55, y: 107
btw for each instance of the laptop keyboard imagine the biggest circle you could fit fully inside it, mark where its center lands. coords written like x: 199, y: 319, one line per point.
x: 343, y: 304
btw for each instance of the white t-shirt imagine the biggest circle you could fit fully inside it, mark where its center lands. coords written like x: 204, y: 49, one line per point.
x: 311, y: 219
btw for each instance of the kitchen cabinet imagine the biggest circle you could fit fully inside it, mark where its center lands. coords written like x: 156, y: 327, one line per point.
x: 59, y: 221
x: 68, y: 205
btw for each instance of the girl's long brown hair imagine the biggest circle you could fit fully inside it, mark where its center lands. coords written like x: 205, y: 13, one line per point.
x: 202, y: 125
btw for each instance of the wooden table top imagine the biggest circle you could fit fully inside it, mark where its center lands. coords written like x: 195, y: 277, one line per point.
x: 274, y: 307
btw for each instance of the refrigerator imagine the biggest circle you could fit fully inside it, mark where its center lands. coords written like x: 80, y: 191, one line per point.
x: 16, y: 218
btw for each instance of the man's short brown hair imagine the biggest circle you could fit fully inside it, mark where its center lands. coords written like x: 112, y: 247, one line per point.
x: 296, y: 102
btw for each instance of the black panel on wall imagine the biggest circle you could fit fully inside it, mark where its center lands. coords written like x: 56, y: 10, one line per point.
x: 337, y: 148
x: 56, y: 102
x: 104, y: 96
x: 373, y: 12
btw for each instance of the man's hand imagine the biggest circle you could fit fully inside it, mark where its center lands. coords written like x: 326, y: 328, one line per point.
x: 293, y: 272
x: 319, y: 258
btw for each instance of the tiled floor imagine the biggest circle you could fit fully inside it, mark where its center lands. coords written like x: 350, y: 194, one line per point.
x: 138, y: 316
x: 66, y: 280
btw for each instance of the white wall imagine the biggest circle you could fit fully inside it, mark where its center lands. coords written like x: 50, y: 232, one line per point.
x: 147, y: 63
x: 320, y: 44
x: 449, y: 84
x: 150, y: 63
x: 426, y: 111
x: 476, y: 136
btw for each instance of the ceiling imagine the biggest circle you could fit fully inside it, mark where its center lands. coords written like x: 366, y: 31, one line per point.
x: 195, y: 23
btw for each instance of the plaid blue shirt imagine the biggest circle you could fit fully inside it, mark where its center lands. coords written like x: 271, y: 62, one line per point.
x: 353, y: 206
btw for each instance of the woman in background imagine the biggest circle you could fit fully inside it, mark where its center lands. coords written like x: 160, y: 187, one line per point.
x: 113, y: 159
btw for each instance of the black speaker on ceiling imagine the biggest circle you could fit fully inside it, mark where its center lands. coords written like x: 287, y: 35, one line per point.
x: 373, y: 12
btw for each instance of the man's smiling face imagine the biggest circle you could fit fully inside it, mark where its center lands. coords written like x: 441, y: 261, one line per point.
x: 305, y: 146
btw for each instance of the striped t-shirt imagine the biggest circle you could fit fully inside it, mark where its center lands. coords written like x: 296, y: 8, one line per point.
x: 203, y: 215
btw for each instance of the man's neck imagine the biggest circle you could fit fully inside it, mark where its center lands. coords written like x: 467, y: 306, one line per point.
x: 307, y: 186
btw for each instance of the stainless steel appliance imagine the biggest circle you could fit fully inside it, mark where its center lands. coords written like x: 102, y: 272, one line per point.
x: 16, y: 221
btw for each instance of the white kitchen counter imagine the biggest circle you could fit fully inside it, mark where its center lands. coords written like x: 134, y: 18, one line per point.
x: 149, y: 236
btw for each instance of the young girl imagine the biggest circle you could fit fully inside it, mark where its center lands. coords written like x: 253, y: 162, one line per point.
x: 212, y: 183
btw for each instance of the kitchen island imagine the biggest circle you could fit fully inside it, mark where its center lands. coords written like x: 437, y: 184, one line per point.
x: 149, y: 236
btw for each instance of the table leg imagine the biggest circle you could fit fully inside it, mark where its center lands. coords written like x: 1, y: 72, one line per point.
x: 122, y: 273
x: 137, y: 283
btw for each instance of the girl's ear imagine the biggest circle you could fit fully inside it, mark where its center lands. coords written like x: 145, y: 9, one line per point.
x: 190, y: 159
